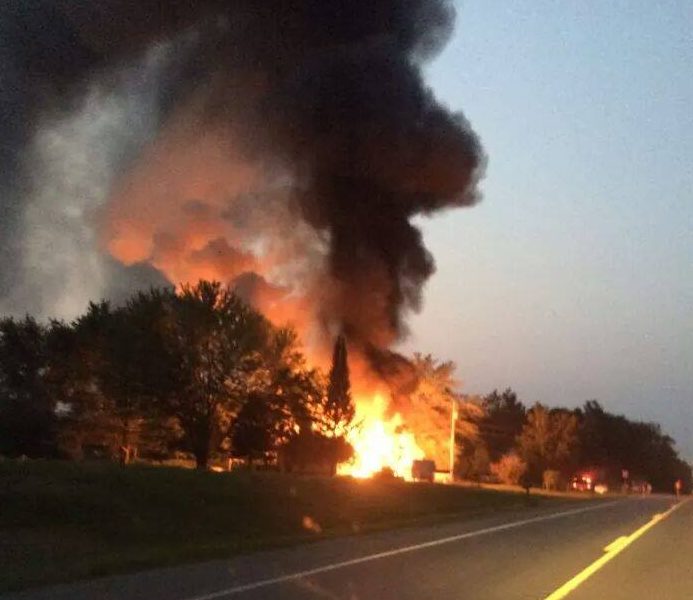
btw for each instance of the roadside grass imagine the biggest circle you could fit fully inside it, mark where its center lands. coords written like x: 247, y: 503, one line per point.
x: 61, y: 521
x: 502, y: 487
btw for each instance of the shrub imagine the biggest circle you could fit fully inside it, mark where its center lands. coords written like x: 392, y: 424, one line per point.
x: 551, y: 479
x: 509, y: 469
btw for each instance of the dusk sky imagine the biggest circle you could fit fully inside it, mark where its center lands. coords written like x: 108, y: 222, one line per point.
x: 573, y: 279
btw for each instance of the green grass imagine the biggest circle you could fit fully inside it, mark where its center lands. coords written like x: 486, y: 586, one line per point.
x: 61, y: 521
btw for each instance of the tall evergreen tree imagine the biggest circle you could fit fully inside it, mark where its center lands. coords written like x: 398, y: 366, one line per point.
x: 339, y: 407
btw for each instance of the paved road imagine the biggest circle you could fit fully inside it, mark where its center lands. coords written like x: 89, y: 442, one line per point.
x: 529, y: 554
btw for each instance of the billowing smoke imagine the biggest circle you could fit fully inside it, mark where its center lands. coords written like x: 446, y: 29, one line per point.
x: 283, y: 146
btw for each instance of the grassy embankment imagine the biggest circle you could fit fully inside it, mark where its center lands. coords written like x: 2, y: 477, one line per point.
x: 61, y: 521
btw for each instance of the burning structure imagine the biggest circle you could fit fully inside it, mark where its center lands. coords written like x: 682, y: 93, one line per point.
x: 284, y: 147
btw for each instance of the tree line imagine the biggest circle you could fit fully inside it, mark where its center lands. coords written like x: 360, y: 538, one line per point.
x: 196, y: 371
x: 546, y: 446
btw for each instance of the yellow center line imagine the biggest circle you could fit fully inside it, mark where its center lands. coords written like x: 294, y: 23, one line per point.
x: 611, y: 551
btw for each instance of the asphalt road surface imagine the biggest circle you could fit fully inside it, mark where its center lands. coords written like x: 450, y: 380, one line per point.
x: 638, y: 547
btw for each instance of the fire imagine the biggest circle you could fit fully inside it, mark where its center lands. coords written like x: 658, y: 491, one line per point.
x: 380, y: 442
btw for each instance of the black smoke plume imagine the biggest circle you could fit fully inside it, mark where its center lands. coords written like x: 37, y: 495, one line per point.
x: 327, y: 92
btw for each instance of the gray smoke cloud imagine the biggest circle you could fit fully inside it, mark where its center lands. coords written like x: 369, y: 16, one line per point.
x: 76, y: 157
x: 62, y: 151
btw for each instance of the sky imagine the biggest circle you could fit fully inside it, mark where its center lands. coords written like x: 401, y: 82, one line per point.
x: 573, y: 278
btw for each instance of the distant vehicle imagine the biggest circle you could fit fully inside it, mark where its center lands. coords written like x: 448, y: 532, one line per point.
x: 581, y: 483
x: 640, y: 487
x: 590, y: 481
x: 423, y: 470
x: 385, y: 474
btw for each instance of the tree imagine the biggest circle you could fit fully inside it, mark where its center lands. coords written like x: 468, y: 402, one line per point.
x: 193, y: 357
x: 215, y: 342
x: 319, y: 437
x: 87, y: 416
x: 284, y: 402
x: 431, y: 404
x: 338, y: 409
x: 509, y: 469
x: 473, y: 461
x: 502, y: 422
x: 105, y: 374
x: 27, y: 409
x: 108, y: 343
x: 602, y: 441
x: 611, y: 443
x: 549, y: 440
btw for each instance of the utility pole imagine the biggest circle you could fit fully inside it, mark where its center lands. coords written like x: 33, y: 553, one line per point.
x: 453, y: 418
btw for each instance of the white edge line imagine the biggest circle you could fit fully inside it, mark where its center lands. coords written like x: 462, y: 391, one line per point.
x: 403, y: 550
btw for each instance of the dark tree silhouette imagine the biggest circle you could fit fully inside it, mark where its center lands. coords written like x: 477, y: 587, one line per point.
x: 549, y: 441
x: 201, y: 371
x: 27, y: 410
x: 287, y: 394
x: 339, y: 407
x: 314, y: 451
x: 502, y: 423
x: 216, y: 342
x: 613, y: 442
x: 253, y: 432
x: 108, y: 368
x: 333, y: 415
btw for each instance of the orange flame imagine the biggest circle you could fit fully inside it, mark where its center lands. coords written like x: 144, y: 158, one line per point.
x: 380, y: 442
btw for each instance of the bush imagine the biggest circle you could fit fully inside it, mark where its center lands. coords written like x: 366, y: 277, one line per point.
x: 385, y: 474
x: 473, y: 462
x: 314, y: 452
x: 552, y: 480
x: 509, y: 469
